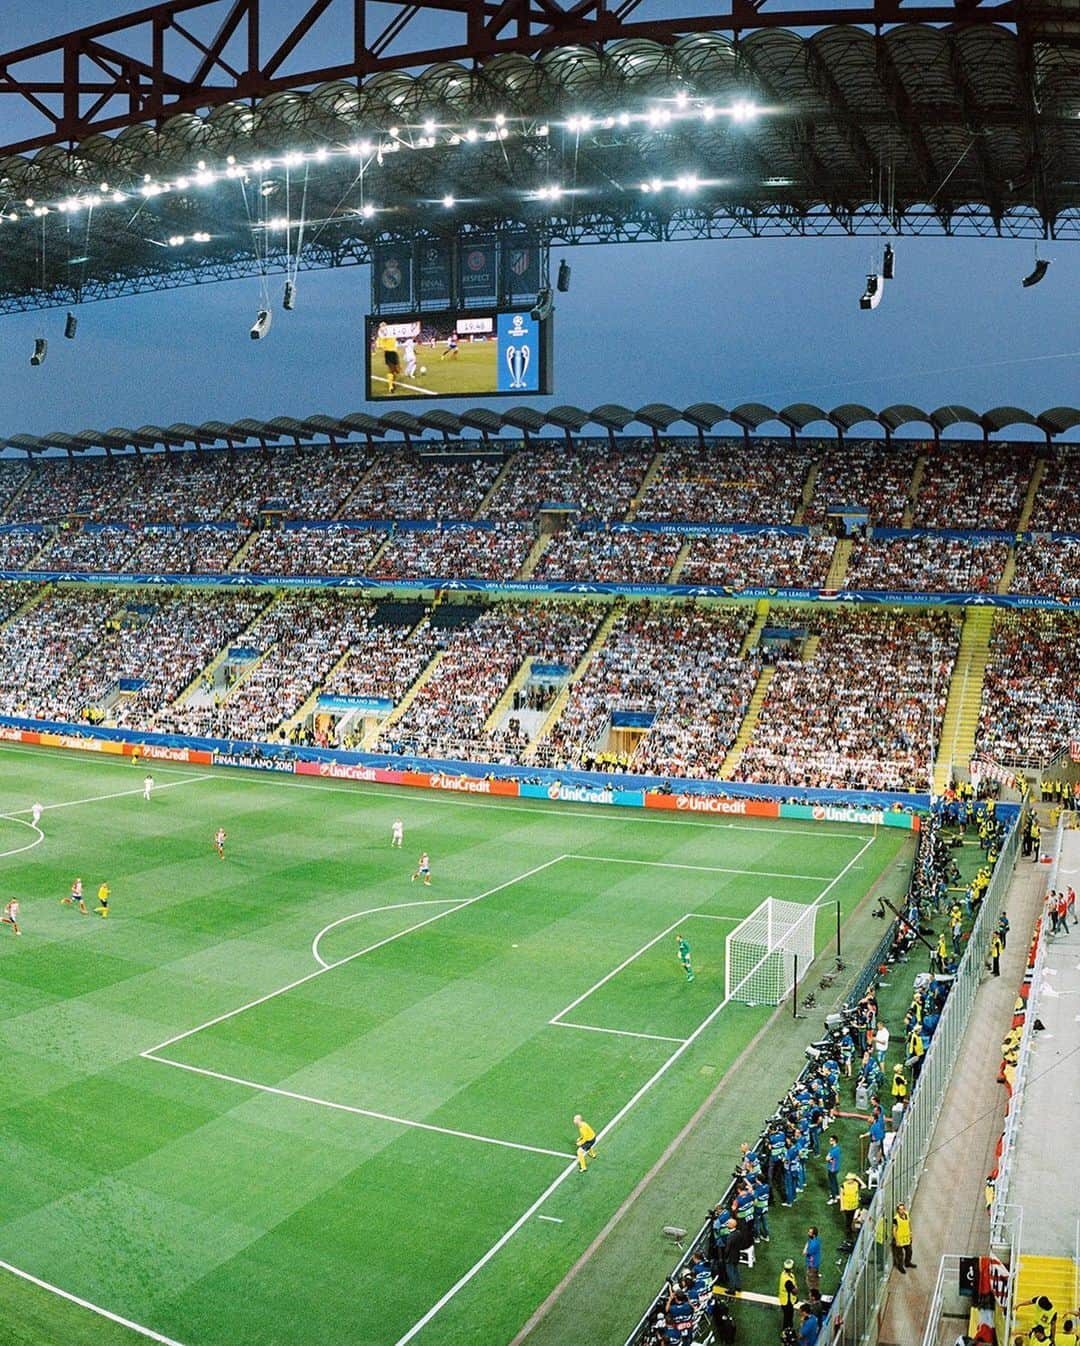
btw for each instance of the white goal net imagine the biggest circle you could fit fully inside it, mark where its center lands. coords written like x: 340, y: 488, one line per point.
x: 764, y: 950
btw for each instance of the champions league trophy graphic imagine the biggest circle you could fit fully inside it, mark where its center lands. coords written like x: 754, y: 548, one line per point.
x: 518, y: 357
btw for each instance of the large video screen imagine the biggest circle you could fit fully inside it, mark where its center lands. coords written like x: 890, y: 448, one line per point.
x: 451, y: 353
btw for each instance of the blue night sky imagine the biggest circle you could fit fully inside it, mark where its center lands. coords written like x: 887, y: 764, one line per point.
x: 772, y: 320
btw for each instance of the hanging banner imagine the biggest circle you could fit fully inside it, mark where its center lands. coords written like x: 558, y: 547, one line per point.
x: 392, y: 274
x: 476, y: 276
x: 433, y: 265
x: 520, y: 268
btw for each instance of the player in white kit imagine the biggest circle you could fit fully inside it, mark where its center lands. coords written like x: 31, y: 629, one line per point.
x: 409, y: 349
x: 147, y: 786
x: 398, y: 838
x: 35, y: 814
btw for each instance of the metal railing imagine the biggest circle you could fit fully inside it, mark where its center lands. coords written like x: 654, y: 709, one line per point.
x: 854, y: 1316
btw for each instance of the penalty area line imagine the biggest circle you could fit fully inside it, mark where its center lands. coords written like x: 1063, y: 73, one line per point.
x: 359, y: 1112
x: 92, y: 1308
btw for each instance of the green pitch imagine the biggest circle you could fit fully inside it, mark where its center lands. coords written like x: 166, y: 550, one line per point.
x: 471, y: 372
x: 296, y: 1098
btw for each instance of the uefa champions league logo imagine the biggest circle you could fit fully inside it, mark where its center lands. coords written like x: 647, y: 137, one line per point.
x: 517, y: 361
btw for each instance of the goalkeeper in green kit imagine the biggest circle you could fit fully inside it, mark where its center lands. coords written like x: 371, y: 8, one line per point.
x: 683, y: 946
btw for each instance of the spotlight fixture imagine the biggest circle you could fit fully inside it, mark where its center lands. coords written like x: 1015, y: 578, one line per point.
x: 888, y: 263
x: 261, y: 325
x: 563, y: 282
x: 71, y: 324
x: 288, y: 303
x: 41, y: 349
x: 544, y: 306
x: 872, y: 295
x: 1041, y: 266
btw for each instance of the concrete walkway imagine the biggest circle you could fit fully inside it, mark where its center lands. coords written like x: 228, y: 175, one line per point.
x: 1043, y: 1172
x: 949, y: 1209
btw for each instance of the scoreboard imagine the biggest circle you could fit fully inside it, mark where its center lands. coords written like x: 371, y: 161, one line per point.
x: 457, y: 353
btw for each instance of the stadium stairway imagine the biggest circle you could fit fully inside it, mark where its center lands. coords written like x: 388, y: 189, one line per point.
x: 32, y: 602
x: 18, y: 493
x: 533, y: 559
x: 1055, y: 1277
x: 838, y: 566
x: 1037, y: 474
x: 651, y: 473
x: 961, y: 719
x: 361, y: 481
x: 680, y: 561
x: 809, y: 486
x: 243, y: 549
x: 560, y: 703
x: 809, y: 648
x: 761, y: 616
x: 309, y: 704
x: 505, y: 701
x: 495, y: 486
x: 1008, y: 570
x: 371, y: 738
x: 913, y: 491
x: 212, y: 667
x: 749, y: 724
x: 370, y: 567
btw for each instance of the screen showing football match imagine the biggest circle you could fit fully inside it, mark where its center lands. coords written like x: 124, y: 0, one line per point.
x: 457, y: 354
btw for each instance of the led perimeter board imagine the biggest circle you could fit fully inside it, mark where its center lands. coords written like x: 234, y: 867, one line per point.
x: 457, y: 353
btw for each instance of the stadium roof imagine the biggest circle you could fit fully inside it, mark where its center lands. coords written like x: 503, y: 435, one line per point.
x: 972, y: 127
x: 655, y: 418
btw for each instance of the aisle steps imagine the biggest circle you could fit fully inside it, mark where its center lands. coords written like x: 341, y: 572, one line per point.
x: 749, y: 724
x: 961, y: 719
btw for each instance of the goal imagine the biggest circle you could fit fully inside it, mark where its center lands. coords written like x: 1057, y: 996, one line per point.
x: 767, y: 949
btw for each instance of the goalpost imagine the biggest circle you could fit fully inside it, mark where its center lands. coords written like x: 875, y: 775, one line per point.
x: 764, y: 950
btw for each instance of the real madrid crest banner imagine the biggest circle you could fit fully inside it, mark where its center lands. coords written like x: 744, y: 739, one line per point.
x: 477, y: 269
x: 393, y: 274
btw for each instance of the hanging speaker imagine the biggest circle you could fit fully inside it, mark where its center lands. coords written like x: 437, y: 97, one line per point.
x: 888, y: 263
x: 41, y: 349
x: 872, y: 295
x: 261, y: 325
x: 288, y: 303
x: 543, y: 307
x: 1041, y: 265
x: 563, y: 282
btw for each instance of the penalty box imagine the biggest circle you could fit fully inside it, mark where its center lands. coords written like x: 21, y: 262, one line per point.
x: 403, y: 1045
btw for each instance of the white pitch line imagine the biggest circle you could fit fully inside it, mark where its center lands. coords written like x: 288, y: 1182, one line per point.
x: 549, y: 1218
x: 413, y: 387
x: 30, y: 844
x: 553, y: 1186
x: 359, y: 1112
x: 319, y: 971
x: 709, y: 869
x: 394, y: 906
x: 86, y: 1304
x: 119, y: 794
x: 616, y: 970
x: 618, y: 1032
x: 857, y: 856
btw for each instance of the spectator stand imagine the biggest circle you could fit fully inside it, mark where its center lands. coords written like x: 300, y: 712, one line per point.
x: 943, y: 559
x: 1048, y: 564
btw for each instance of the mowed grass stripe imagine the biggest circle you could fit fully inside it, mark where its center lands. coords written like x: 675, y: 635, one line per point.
x: 171, y: 1198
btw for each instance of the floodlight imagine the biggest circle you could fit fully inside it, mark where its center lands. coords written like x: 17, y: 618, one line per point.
x: 71, y: 324
x: 41, y: 349
x: 448, y: 201
x: 261, y: 325
x: 367, y: 211
x: 874, y: 288
x: 1041, y: 266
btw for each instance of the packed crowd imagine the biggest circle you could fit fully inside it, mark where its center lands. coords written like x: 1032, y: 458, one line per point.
x: 747, y: 560
x: 1055, y: 508
x: 175, y: 551
x: 930, y: 563
x: 973, y: 486
x: 1045, y: 567
x: 385, y: 659
x: 1030, y: 708
x: 402, y: 484
x: 866, y: 475
x: 18, y: 549
x: 682, y: 666
x: 456, y: 553
x: 479, y: 661
x: 100, y: 552
x: 610, y: 557
x: 592, y: 480
x: 340, y: 549
x: 861, y: 712
x: 732, y: 481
